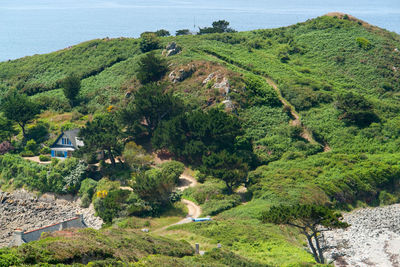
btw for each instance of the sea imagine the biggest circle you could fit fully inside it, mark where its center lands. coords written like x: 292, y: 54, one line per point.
x: 29, y: 27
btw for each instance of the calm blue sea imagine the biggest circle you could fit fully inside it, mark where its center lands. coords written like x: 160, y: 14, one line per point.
x: 30, y: 27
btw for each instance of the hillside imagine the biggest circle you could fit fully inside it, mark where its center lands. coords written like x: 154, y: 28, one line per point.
x: 304, y: 114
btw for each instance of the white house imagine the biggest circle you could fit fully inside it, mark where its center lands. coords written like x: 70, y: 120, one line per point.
x: 65, y: 144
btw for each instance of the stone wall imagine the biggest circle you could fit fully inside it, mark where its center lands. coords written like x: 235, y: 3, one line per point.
x: 26, y: 211
x: 21, y: 237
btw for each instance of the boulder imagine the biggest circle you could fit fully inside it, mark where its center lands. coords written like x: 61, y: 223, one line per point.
x: 181, y: 74
x: 172, y: 49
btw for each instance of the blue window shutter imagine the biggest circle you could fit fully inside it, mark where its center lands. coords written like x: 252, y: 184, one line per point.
x: 65, y: 154
x: 52, y: 153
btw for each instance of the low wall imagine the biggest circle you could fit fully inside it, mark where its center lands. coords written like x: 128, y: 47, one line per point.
x: 21, y: 237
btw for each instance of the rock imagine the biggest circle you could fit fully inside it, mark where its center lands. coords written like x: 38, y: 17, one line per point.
x: 172, y: 49
x: 182, y: 74
x: 209, y: 78
x: 373, y: 237
x: 228, y: 104
x: 24, y: 210
x: 223, y: 86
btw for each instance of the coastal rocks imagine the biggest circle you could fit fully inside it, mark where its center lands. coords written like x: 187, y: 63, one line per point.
x: 373, y: 239
x: 172, y: 49
x: 24, y: 210
x: 182, y: 74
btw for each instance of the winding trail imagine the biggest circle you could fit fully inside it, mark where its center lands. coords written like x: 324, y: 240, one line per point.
x: 194, y: 210
x: 296, y: 121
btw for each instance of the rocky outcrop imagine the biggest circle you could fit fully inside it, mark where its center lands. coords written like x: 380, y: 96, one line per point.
x: 373, y: 239
x: 182, y: 74
x: 172, y: 49
x: 25, y: 211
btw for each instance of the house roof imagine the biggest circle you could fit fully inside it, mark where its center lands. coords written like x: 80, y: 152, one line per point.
x: 72, y: 135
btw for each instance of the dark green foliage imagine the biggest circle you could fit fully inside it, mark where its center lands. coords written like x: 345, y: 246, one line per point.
x: 193, y: 134
x: 162, y: 33
x: 219, y: 26
x: 149, y: 41
x: 71, y: 86
x: 19, y: 108
x: 38, y: 132
x: 260, y: 93
x: 151, y: 68
x: 183, y: 32
x: 44, y: 158
x: 6, y: 129
x: 151, y: 104
x: 156, y: 185
x: 231, y: 168
x: 102, y: 134
x: 355, y: 109
x: 110, y: 207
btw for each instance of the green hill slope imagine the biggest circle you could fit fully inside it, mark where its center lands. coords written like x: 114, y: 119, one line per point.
x: 319, y: 100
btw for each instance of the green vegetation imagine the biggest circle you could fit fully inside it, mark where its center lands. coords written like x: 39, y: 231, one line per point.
x: 302, y: 115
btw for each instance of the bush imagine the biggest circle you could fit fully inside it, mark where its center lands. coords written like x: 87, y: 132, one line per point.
x: 149, y: 41
x: 45, y: 150
x: 31, y: 146
x: 5, y: 147
x: 151, y: 68
x: 364, y: 43
x: 27, y: 153
x: 44, y: 158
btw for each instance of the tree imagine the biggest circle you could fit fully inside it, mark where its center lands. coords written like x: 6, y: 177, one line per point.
x: 6, y: 129
x: 219, y: 26
x: 230, y: 168
x: 5, y: 147
x: 162, y: 33
x: 156, y: 185
x: 149, y: 41
x: 71, y: 86
x: 150, y: 105
x: 310, y: 219
x: 102, y: 134
x: 196, y: 133
x: 355, y: 109
x: 151, y: 68
x: 135, y: 156
x: 20, y: 109
x: 183, y: 32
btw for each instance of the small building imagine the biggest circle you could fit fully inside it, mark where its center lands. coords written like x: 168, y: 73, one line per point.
x: 65, y: 144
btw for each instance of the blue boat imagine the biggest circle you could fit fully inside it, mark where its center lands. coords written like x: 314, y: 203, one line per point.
x: 201, y: 219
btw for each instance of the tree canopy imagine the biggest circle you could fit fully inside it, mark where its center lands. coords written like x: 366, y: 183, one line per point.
x: 71, y: 86
x: 19, y: 108
x: 103, y: 133
x: 355, y: 109
x: 151, y: 68
x: 219, y: 26
x: 150, y: 104
x: 310, y: 219
x: 149, y: 41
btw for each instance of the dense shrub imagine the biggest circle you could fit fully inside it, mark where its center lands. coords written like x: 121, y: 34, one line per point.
x: 44, y: 158
x: 215, y: 206
x: 364, y: 43
x: 151, y: 68
x: 149, y: 41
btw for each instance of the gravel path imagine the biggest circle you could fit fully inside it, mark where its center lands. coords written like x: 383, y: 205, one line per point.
x: 373, y: 239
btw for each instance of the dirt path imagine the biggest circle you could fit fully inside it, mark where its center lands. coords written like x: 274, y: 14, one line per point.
x: 306, y: 133
x: 194, y: 211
